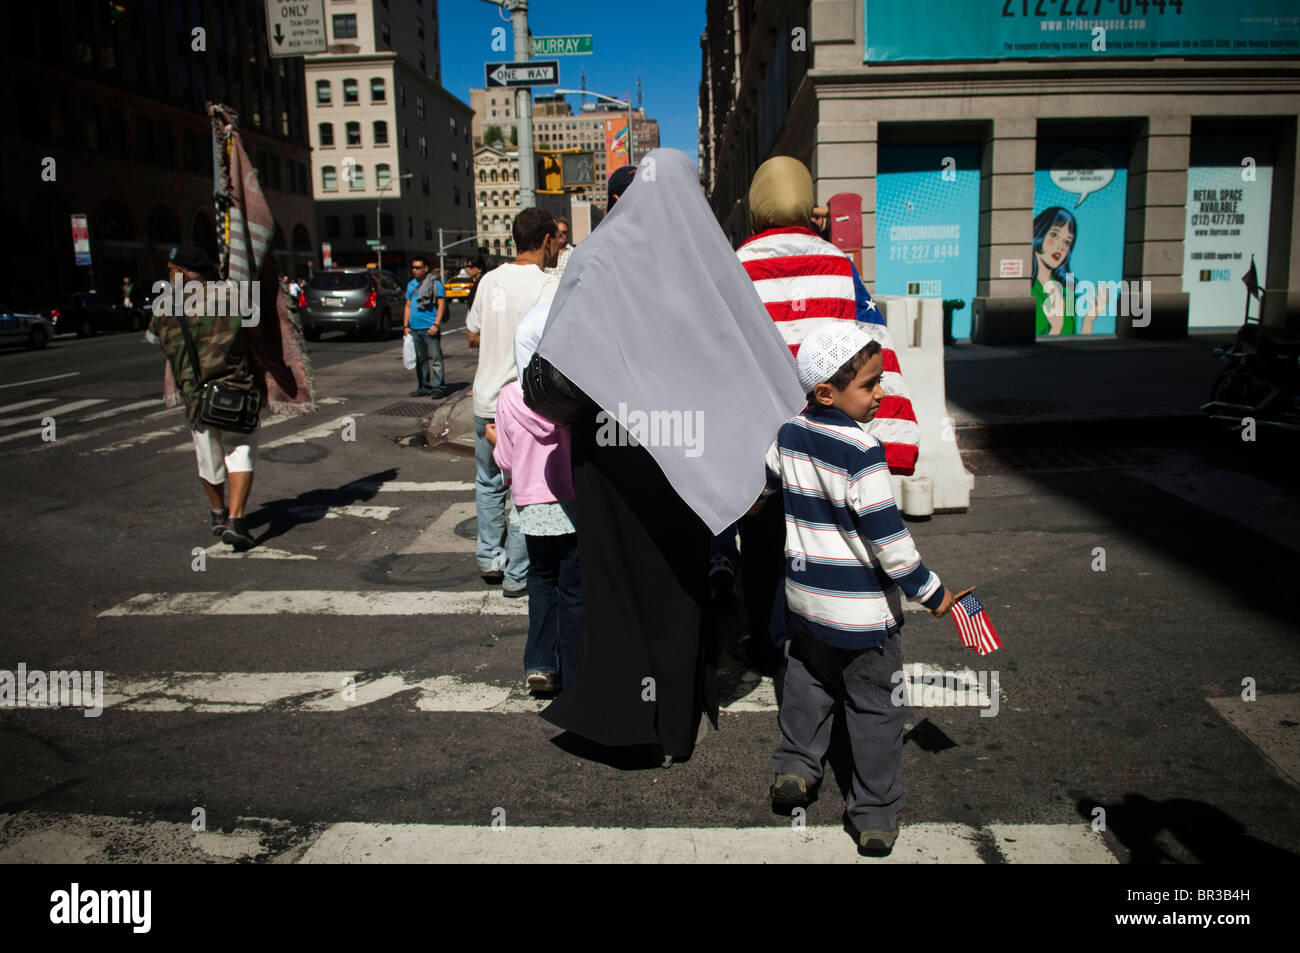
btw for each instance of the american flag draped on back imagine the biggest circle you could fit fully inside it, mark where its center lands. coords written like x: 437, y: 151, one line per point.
x: 973, y: 625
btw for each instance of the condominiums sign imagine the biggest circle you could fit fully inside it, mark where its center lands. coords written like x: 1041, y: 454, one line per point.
x: 1037, y: 29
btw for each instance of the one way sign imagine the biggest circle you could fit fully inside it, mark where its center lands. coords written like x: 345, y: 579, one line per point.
x: 533, y: 73
x: 295, y: 27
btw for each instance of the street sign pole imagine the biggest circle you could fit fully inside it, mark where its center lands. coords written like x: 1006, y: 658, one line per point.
x: 524, y: 110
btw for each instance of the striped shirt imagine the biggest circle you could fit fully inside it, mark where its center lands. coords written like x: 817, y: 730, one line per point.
x: 805, y: 281
x: 846, y: 549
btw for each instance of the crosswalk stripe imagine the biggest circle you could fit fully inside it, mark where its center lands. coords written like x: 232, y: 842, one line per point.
x: 55, y: 412
x: 20, y: 434
x: 324, y: 430
x: 187, y: 446
x: 27, y: 403
x: 125, y: 408
x: 140, y: 439
x: 400, y: 486
x: 239, y: 692
x: 319, y: 602
x: 41, y: 380
x: 33, y: 837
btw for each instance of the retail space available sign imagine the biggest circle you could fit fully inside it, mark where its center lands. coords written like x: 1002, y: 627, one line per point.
x: 295, y: 27
x: 1076, y: 254
x: 1228, y: 203
x: 1035, y: 29
x: 81, y: 239
x: 927, y: 223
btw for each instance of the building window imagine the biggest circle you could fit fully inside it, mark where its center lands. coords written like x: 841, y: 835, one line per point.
x: 419, y: 29
x: 329, y: 181
x: 452, y: 120
x: 350, y: 94
x: 381, y: 132
x: 323, y: 92
x: 424, y: 182
x: 359, y: 225
x: 410, y: 227
x: 419, y: 106
x: 455, y: 162
x: 401, y: 94
x: 404, y: 142
x: 482, y: 175
x: 331, y: 226
x: 354, y: 133
x: 345, y: 26
x: 385, y: 225
x: 384, y: 36
x: 456, y: 194
x: 383, y: 177
x: 428, y: 228
x: 496, y: 199
x: 358, y: 179
x: 516, y: 196
x: 423, y: 68
x: 378, y: 90
x: 424, y: 148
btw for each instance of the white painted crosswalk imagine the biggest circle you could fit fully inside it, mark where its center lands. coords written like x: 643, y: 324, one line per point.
x: 37, y: 837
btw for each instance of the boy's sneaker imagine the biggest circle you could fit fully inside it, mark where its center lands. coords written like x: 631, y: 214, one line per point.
x: 220, y: 522
x: 878, y: 843
x: 541, y: 682
x: 237, y: 535
x: 790, y: 790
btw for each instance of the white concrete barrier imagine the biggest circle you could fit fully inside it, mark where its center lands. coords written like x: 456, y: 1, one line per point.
x: 916, y: 327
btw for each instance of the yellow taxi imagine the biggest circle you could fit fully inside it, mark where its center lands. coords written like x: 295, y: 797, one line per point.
x: 458, y: 287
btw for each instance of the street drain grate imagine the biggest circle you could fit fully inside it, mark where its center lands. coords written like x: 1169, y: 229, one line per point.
x: 409, y: 408
x: 1055, y: 459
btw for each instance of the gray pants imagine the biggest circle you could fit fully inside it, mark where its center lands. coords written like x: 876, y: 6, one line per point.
x: 815, y: 676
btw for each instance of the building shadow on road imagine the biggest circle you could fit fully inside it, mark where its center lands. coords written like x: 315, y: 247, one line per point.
x: 281, y: 516
x: 1206, y: 833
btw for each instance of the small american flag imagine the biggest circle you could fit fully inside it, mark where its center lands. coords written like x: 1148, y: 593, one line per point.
x: 973, y: 625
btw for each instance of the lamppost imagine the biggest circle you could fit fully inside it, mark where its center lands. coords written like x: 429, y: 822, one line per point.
x: 379, y: 232
x: 616, y: 102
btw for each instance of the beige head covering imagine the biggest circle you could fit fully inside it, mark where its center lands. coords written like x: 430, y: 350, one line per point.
x: 780, y: 195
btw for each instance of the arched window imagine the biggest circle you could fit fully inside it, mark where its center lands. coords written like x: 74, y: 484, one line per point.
x: 516, y: 175
x: 516, y: 197
x: 326, y: 130
x: 381, y: 132
x: 485, y: 224
x: 496, y: 199
x: 482, y: 175
x: 354, y: 133
x: 383, y: 176
x: 496, y: 246
x: 323, y: 94
x: 350, y: 94
x: 358, y: 179
x: 378, y: 92
x: 329, y: 181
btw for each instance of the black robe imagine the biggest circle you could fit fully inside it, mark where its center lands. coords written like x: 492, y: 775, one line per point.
x: 644, y: 557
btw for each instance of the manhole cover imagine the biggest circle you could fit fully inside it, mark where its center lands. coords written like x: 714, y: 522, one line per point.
x: 1015, y: 405
x: 409, y: 408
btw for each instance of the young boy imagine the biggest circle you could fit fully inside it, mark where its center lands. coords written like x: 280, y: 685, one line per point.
x: 847, y: 555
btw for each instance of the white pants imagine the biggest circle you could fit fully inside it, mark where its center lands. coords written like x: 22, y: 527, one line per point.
x: 215, y: 460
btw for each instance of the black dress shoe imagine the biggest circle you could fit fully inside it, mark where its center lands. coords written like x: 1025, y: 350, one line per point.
x: 420, y: 393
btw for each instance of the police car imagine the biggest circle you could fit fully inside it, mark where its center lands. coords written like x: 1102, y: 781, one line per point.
x: 32, y: 330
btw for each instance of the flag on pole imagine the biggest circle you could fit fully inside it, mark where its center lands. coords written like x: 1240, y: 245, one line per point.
x: 1251, y: 279
x: 973, y: 625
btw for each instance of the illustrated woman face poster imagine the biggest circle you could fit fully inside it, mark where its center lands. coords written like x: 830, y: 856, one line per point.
x: 1078, y: 239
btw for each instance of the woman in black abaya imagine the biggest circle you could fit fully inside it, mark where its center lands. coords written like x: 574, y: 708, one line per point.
x: 658, y: 324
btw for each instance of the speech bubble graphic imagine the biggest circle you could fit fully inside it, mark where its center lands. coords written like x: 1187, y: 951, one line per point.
x: 1081, y: 171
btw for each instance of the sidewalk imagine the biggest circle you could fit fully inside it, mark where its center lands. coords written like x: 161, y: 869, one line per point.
x: 1101, y: 388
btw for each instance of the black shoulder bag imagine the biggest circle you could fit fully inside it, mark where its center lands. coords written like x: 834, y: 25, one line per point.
x: 551, y: 394
x: 222, y: 405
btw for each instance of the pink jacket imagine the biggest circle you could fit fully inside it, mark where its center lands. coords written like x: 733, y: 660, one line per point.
x: 532, y: 450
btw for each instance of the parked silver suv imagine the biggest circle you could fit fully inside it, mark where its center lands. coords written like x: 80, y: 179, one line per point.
x: 351, y: 299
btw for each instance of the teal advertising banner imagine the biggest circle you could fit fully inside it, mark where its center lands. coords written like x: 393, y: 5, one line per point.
x: 919, y: 30
x: 927, y: 223
x: 1229, y: 196
x: 1077, y: 251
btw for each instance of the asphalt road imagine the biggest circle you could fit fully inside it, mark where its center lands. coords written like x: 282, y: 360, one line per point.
x: 1117, y: 689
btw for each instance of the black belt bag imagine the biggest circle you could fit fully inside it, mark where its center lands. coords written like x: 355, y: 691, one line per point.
x: 222, y: 404
x: 551, y: 394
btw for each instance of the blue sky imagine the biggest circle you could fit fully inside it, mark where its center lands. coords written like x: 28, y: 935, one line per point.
x: 661, y: 41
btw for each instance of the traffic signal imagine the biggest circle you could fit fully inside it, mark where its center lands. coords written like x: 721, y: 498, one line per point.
x: 550, y: 174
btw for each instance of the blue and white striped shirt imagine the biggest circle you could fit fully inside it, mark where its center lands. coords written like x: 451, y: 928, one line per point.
x: 847, y: 552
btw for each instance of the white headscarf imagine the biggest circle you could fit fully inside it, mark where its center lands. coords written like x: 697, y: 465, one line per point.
x: 656, y: 320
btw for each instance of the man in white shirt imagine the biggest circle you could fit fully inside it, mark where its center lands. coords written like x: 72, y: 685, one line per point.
x: 504, y: 294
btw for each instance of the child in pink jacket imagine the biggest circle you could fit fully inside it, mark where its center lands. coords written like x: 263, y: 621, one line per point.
x: 533, y: 453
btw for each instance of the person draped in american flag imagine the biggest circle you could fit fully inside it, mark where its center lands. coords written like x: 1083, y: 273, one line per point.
x: 804, y: 282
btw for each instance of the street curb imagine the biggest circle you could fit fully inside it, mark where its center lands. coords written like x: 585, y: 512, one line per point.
x: 446, y: 430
